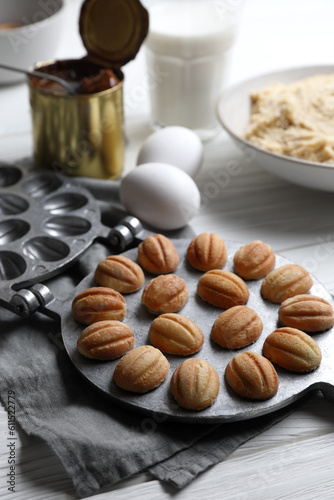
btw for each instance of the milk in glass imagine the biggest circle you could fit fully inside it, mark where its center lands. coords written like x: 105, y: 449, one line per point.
x: 187, y: 50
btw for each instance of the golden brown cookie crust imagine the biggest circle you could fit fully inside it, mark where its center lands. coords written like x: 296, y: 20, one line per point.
x: 195, y: 384
x: 292, y: 349
x: 222, y: 289
x: 307, y: 312
x: 207, y: 251
x: 254, y: 260
x: 158, y: 255
x: 98, y: 304
x: 237, y: 327
x: 252, y: 376
x: 141, y: 370
x: 285, y: 282
x: 166, y: 293
x: 105, y: 340
x: 120, y: 273
x: 176, y: 334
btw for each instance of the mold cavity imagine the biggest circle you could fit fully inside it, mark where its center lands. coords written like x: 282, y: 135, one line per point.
x: 9, y: 176
x: 46, y: 249
x: 41, y: 185
x: 64, y: 203
x: 10, y: 204
x: 12, y: 265
x: 13, y: 229
x: 67, y: 226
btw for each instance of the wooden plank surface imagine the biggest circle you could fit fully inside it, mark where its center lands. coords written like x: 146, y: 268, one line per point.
x: 294, y: 459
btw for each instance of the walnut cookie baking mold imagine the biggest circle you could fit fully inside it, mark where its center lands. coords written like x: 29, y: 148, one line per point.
x: 228, y: 406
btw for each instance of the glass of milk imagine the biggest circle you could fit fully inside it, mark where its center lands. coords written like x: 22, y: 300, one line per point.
x: 187, y: 51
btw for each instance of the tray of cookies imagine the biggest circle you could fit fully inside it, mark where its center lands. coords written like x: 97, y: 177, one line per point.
x: 201, y: 330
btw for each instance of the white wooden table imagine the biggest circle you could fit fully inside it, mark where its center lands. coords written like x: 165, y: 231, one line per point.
x: 295, y: 458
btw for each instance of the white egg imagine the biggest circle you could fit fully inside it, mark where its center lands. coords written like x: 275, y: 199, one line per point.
x: 160, y: 195
x: 178, y: 146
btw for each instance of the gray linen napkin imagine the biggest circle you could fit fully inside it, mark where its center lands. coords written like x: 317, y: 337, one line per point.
x: 98, y: 442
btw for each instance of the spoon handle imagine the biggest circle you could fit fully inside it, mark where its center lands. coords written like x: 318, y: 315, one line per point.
x: 40, y: 74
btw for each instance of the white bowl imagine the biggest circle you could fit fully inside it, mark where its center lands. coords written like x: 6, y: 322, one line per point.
x: 233, y: 110
x: 35, y: 41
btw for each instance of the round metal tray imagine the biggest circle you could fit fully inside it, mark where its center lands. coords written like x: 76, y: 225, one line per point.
x: 159, y: 403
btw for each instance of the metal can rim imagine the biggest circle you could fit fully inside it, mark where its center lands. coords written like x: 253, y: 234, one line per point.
x: 41, y: 64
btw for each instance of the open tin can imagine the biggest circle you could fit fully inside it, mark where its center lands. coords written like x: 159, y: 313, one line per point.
x: 82, y: 134
x: 78, y: 134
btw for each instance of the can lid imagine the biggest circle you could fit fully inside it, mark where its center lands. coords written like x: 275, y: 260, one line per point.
x: 113, y: 30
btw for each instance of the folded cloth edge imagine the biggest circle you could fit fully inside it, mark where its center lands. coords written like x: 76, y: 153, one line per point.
x: 180, y: 470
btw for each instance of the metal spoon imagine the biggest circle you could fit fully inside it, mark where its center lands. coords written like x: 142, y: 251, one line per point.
x: 71, y: 87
